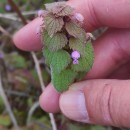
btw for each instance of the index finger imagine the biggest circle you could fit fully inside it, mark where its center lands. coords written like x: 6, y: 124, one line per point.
x: 104, y: 13
x: 97, y: 13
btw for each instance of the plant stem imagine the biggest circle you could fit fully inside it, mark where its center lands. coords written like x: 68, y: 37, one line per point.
x: 4, y: 32
x: 15, y: 7
x: 7, y: 105
x: 12, y: 16
x: 37, y: 65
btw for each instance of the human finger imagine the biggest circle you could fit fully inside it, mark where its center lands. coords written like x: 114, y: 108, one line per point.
x: 27, y: 38
x: 103, y: 102
x: 111, y: 51
x: 121, y: 73
x: 104, y: 13
x: 49, y: 99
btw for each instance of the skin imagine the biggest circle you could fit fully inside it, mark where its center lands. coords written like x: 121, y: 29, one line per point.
x: 106, y: 99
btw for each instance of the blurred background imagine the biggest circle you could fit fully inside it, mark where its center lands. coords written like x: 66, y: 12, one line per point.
x: 20, y: 86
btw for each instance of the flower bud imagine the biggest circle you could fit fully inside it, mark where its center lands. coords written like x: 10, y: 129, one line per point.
x: 79, y: 17
x: 75, y: 61
x: 75, y: 55
x: 41, y: 13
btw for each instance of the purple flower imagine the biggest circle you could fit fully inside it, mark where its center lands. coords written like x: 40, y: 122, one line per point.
x: 75, y: 61
x: 75, y: 55
x: 8, y: 7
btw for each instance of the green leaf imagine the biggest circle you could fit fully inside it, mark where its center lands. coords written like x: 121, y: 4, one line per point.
x: 80, y: 76
x: 85, y: 63
x: 48, y: 55
x: 78, y: 45
x: 59, y: 8
x: 57, y: 60
x: 75, y: 30
x: 60, y: 60
x: 63, y: 80
x: 53, y: 24
x: 58, y: 41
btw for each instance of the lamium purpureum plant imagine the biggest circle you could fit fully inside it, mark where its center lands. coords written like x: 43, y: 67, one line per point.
x: 67, y: 47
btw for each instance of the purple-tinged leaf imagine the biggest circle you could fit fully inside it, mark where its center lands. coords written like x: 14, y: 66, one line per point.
x: 53, y: 24
x: 76, y: 31
x: 59, y: 8
x: 52, y: 6
x: 67, y: 10
x: 58, y: 41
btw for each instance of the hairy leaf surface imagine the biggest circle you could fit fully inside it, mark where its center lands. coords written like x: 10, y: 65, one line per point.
x: 55, y: 5
x: 53, y: 24
x: 67, y: 10
x: 59, y: 8
x: 63, y: 80
x: 48, y: 55
x: 58, y: 60
x: 80, y: 76
x: 58, y: 41
x: 78, y: 45
x: 75, y: 30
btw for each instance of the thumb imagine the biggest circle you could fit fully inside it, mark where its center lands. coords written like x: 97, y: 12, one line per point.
x: 103, y: 102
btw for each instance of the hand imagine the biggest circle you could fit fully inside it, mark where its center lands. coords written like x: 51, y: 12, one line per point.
x: 103, y: 99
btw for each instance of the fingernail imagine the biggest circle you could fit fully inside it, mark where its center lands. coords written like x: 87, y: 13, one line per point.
x: 72, y: 104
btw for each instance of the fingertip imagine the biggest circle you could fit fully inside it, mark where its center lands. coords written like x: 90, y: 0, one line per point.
x: 49, y: 100
x: 81, y: 6
x: 27, y: 38
x: 72, y: 105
